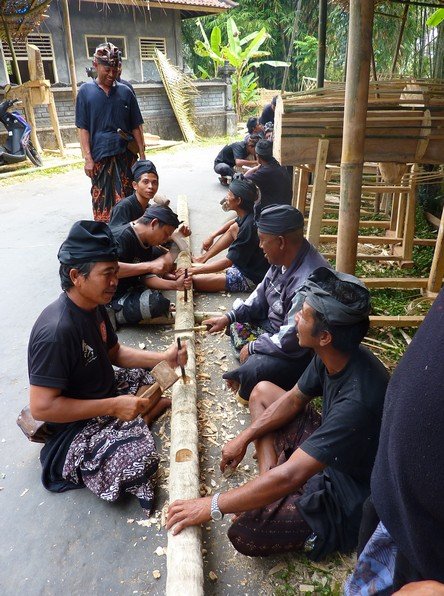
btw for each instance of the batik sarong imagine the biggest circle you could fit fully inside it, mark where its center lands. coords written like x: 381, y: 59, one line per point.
x: 111, y: 181
x: 112, y: 457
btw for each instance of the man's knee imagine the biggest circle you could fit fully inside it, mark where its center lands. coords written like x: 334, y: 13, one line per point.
x: 240, y: 542
x: 258, y: 395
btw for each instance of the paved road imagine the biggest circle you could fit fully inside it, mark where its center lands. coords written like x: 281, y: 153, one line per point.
x: 71, y: 543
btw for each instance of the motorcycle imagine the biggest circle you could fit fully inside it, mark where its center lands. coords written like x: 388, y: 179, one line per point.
x: 18, y: 145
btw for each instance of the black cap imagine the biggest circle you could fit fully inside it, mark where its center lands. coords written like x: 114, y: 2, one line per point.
x: 88, y: 242
x: 264, y: 148
x: 280, y: 219
x: 143, y: 166
x: 163, y: 214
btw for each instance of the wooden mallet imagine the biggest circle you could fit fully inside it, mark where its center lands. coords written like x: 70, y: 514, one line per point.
x: 165, y: 376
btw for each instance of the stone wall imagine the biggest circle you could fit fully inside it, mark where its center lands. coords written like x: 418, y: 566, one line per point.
x: 212, y: 117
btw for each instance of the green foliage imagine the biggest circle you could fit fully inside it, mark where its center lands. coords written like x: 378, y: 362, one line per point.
x: 307, y: 55
x: 436, y: 18
x: 242, y: 53
x: 418, y: 51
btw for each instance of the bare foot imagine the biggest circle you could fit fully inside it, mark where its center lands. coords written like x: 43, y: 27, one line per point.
x: 199, y: 259
x: 233, y: 385
x: 163, y: 404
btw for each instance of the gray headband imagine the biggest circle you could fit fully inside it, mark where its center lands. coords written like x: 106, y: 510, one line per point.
x: 334, y: 311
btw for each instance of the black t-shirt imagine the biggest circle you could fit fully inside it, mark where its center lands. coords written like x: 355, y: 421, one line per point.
x: 274, y: 183
x: 267, y: 114
x: 131, y: 250
x: 101, y: 115
x: 245, y: 253
x: 346, y: 442
x: 68, y: 350
x: 408, y: 477
x: 230, y: 153
x: 126, y: 210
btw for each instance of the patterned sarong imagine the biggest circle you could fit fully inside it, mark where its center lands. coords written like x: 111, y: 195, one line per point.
x: 111, y: 181
x: 110, y: 456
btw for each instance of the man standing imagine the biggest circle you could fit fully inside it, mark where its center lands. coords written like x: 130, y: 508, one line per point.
x: 262, y: 327
x: 270, y: 177
x: 98, y: 438
x: 237, y: 154
x: 314, y: 474
x: 103, y: 107
x: 143, y: 261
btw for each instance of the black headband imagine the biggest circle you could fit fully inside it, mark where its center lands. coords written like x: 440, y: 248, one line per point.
x: 280, y: 219
x: 243, y: 188
x: 143, y: 166
x: 163, y: 214
x: 88, y: 242
x: 334, y: 311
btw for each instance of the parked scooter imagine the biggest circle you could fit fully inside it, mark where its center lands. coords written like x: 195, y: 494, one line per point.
x: 18, y: 145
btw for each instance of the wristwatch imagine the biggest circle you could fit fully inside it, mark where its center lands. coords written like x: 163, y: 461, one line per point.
x: 215, y: 512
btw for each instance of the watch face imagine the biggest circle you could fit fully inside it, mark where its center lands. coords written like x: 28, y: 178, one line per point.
x: 216, y: 515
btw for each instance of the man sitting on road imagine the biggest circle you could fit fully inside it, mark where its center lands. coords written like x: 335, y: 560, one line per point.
x: 244, y: 266
x: 314, y: 475
x: 262, y: 327
x: 97, y: 437
x: 145, y: 184
x: 237, y: 154
x: 273, y: 180
x: 142, y: 263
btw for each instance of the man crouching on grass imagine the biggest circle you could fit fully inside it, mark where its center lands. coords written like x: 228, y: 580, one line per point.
x: 314, y: 474
x: 98, y: 437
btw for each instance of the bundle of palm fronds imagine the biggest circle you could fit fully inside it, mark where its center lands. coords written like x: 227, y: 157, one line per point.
x: 20, y: 17
x: 180, y: 90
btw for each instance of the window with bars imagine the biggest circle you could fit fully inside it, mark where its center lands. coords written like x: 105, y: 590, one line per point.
x: 92, y: 41
x: 44, y: 43
x: 149, y: 44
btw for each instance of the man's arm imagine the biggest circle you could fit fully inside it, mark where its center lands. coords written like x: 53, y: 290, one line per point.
x: 158, y: 266
x: 48, y: 404
x: 213, y: 267
x: 158, y: 283
x: 245, y: 162
x: 85, y: 144
x: 127, y: 357
x: 267, y: 488
x: 138, y: 137
x: 207, y: 243
x: 279, y: 413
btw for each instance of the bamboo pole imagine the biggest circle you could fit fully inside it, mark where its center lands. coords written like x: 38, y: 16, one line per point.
x: 355, y: 112
x: 69, y: 47
x: 401, y: 33
x: 437, y: 269
x: 317, y: 202
x: 322, y: 39
x: 184, y: 558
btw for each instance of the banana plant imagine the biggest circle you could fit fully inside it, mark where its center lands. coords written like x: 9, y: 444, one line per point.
x: 242, y: 53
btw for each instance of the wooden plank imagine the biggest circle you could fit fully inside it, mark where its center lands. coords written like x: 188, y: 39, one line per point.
x: 184, y: 555
x: 318, y: 195
x: 304, y: 177
x: 362, y: 224
x: 380, y: 240
x: 400, y: 321
x: 401, y: 283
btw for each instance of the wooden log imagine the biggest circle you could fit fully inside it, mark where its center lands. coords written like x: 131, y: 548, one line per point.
x: 409, y: 225
x: 184, y: 558
x: 318, y: 194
